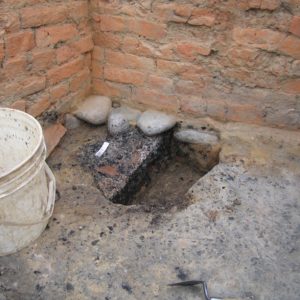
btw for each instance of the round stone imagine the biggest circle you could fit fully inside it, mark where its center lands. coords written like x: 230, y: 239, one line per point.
x: 154, y: 122
x: 195, y: 136
x: 117, y: 123
x: 94, y: 110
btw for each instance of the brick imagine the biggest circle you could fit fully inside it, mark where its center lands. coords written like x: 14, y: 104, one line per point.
x: 189, y: 87
x: 138, y: 47
x: 53, y: 134
x: 111, y: 171
x: 194, y: 72
x: 84, y: 44
x: 51, y: 35
x: 113, y: 23
x: 21, y: 3
x: 20, y: 42
x: 172, y: 67
x: 98, y: 53
x: 160, y: 83
x: 23, y: 87
x: 156, y: 100
x: 123, y: 75
x: 270, y: 4
x: 243, y: 112
x: 31, y: 85
x: 64, y: 54
x: 97, y: 69
x: 173, y: 12
x: 64, y: 71
x: 193, y: 105
x: 290, y: 46
x: 292, y: 86
x: 129, y: 60
x: 202, y: 107
x: 40, y: 106
x: 190, y: 50
x: 105, y: 88
x: 242, y: 56
x: 19, y: 105
x: 42, y: 15
x: 78, y: 10
x: 201, y: 16
x: 58, y: 91
x: 15, y: 66
x: 107, y: 40
x: 183, y: 10
x: 42, y: 59
x: 259, y: 38
x: 295, y: 26
x: 253, y: 4
x: 9, y: 21
x: 79, y: 79
x: 147, y: 29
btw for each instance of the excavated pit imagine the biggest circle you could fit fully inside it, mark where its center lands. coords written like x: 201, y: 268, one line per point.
x: 141, y: 170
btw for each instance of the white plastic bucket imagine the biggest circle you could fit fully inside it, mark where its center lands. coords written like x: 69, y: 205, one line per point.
x: 27, y: 185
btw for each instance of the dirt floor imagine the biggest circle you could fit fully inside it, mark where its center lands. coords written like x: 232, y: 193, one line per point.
x: 240, y: 231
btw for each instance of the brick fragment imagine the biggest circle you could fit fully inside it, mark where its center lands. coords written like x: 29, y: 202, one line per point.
x: 53, y: 134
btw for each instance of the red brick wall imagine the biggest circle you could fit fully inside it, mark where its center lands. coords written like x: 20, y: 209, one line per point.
x: 234, y: 60
x: 45, y: 53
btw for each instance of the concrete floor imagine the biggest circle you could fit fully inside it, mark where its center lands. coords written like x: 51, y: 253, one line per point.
x: 240, y: 234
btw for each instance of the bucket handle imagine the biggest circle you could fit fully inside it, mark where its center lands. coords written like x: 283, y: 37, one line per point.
x: 49, y: 205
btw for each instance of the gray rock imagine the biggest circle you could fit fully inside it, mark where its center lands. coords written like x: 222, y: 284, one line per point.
x: 71, y: 122
x: 154, y: 122
x: 131, y: 114
x: 196, y: 137
x: 94, y: 110
x: 117, y: 122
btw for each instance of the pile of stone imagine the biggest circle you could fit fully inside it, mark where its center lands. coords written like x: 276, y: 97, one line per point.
x: 98, y: 110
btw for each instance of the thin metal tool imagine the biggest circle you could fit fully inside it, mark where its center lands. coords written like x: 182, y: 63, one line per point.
x: 195, y: 282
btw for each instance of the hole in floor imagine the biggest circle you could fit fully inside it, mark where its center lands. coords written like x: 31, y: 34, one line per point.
x: 155, y: 172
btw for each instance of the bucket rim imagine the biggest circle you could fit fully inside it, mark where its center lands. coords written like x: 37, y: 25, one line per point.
x: 40, y: 139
